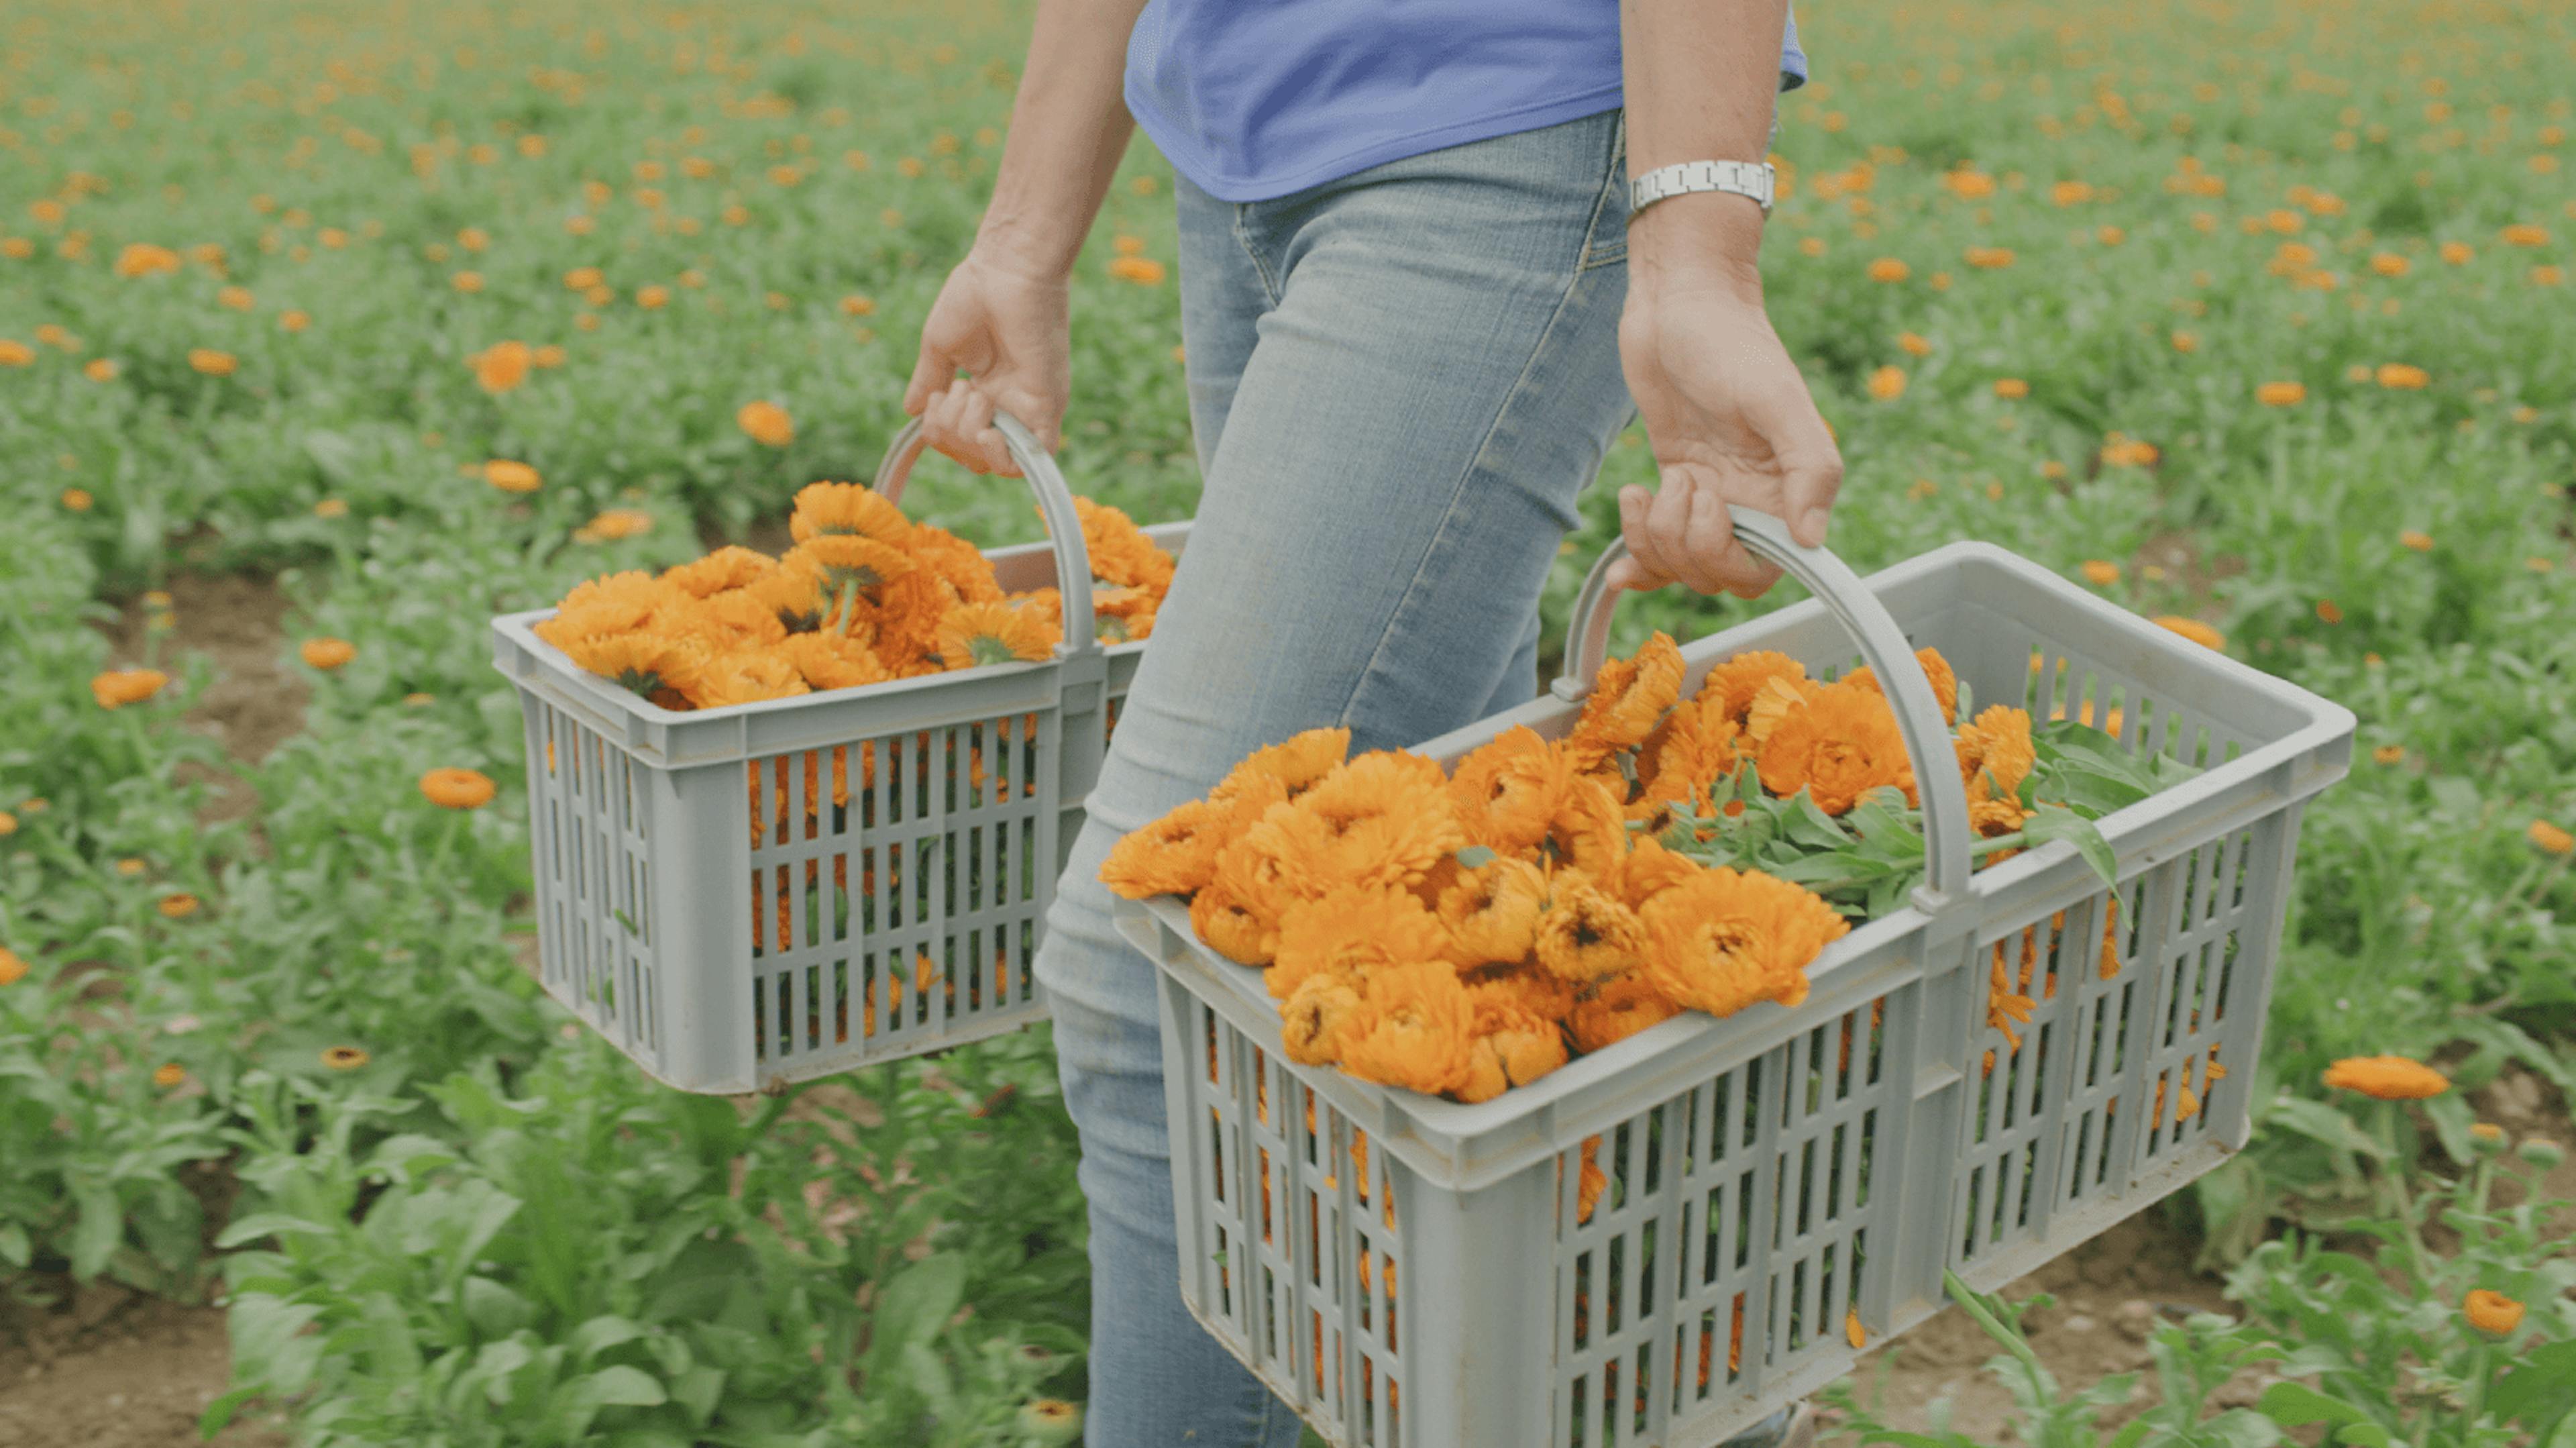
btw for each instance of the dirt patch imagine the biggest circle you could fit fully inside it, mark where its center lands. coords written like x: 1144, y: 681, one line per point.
x: 104, y: 1367
x: 2109, y: 1294
x: 2176, y: 556
x: 255, y: 702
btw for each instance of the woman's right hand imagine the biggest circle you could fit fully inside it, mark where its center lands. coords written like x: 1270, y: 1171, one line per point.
x: 1007, y: 326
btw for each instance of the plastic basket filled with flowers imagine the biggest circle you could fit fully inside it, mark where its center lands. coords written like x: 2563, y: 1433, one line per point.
x: 796, y: 814
x: 1612, y: 1070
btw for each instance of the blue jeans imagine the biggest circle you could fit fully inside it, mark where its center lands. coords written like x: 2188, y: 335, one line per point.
x: 1399, y: 383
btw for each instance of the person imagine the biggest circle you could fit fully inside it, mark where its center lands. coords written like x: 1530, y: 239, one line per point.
x: 1416, y: 311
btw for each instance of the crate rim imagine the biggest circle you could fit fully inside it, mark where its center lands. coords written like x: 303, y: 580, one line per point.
x: 1465, y: 1147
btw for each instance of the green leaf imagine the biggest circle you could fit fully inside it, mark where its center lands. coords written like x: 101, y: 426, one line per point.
x: 602, y: 1333
x: 14, y: 1247
x: 2296, y: 1404
x: 699, y: 1390
x: 258, y: 1225
x: 97, y: 1232
x: 2238, y: 1428
x: 1475, y: 857
x: 2365, y: 1435
x: 2540, y: 1392
x: 2050, y: 823
x: 2324, y: 1124
x: 621, y: 1386
x: 495, y: 1310
x: 920, y: 1300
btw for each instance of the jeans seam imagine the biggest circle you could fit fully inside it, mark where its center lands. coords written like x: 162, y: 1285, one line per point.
x: 1260, y: 266
x: 1476, y: 460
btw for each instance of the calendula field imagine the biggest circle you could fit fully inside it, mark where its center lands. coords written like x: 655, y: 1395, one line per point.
x: 327, y: 333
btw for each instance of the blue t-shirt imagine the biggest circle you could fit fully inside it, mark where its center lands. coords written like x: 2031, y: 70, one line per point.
x: 1252, y: 99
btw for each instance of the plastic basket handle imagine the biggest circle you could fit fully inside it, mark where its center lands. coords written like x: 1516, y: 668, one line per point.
x: 1055, y: 505
x: 1883, y: 647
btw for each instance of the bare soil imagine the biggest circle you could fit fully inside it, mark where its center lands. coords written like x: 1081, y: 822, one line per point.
x: 101, y: 1366
x: 256, y: 702
x: 2109, y: 1294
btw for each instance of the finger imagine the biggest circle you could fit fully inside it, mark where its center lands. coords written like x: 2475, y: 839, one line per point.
x: 931, y: 372
x: 1641, y: 566
x: 975, y: 428
x: 1667, y: 521
x: 1811, y: 466
x: 943, y: 425
x: 1717, y: 560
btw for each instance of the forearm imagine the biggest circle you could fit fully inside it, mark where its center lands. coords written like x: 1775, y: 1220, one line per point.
x: 1701, y: 78
x: 1069, y: 126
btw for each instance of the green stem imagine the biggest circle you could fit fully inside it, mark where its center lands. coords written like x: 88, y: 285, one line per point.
x: 847, y: 607
x: 2395, y: 1181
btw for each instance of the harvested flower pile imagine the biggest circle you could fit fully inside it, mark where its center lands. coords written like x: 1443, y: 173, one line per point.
x: 1463, y: 932
x: 865, y: 596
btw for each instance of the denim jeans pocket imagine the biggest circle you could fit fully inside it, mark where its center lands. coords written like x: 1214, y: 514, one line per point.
x: 1606, y: 244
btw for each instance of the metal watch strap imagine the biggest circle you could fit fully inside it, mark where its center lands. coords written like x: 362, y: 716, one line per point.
x: 1752, y: 179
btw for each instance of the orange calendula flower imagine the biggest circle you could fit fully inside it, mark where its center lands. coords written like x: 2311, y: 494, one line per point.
x: 1415, y: 1029
x: 851, y: 508
x: 722, y: 571
x: 2193, y: 629
x: 457, y: 788
x: 1511, y: 1047
x: 169, y: 1074
x: 1732, y: 686
x: 1628, y: 699
x: 501, y: 366
x: 1296, y: 762
x: 327, y: 653
x: 1492, y: 912
x: 1144, y: 271
x: 1890, y: 270
x: 143, y: 259
x: 2011, y: 389
x: 2491, y: 1311
x: 1726, y: 939
x: 211, y: 362
x: 2101, y: 572
x: 1585, y: 934
x: 766, y: 423
x: 1995, y: 753
x: 1352, y: 933
x: 2550, y: 839
x: 13, y: 969
x: 2281, y: 394
x: 1945, y: 680
x: 177, y: 906
x: 344, y: 1058
x: 1122, y: 553
x: 119, y: 687
x: 1235, y: 928
x: 1590, y: 1181
x: 974, y: 635
x: 1506, y: 793
x: 1840, y: 745
x: 2387, y: 1078
x: 511, y: 477
x: 2401, y: 376
x: 1887, y: 383
x: 1316, y: 1018
x: 1172, y: 856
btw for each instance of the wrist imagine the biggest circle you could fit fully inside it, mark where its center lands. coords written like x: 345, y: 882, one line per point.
x: 1039, y: 254
x: 1697, y: 241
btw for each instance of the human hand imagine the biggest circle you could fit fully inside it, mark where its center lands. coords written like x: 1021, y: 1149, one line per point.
x: 1731, y: 423
x: 1006, y: 324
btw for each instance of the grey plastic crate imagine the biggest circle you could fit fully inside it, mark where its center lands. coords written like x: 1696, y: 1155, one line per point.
x: 744, y: 897
x: 1805, y: 1167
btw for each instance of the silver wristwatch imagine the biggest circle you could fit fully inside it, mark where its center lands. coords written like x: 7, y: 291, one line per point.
x: 1737, y: 178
